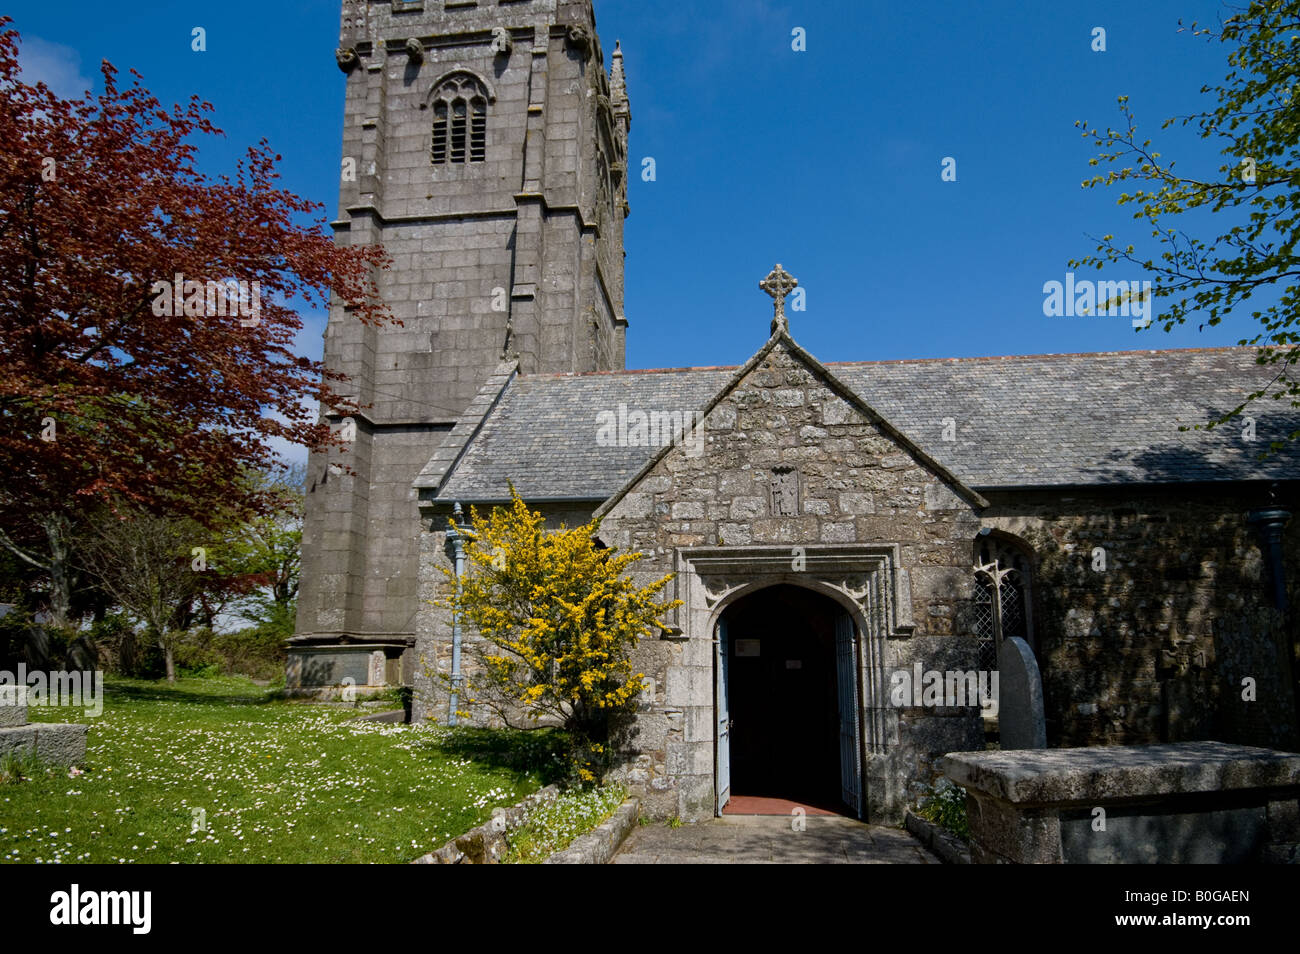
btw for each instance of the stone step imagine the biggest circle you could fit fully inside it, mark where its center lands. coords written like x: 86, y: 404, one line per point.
x: 58, y: 743
x: 13, y: 706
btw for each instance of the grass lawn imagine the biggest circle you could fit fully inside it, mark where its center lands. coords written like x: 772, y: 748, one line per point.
x: 278, y: 781
x: 555, y: 825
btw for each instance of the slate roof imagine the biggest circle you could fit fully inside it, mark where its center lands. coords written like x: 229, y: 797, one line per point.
x: 1031, y: 421
x: 542, y: 433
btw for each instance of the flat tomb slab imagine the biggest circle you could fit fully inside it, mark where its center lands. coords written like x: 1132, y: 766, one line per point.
x: 1118, y: 773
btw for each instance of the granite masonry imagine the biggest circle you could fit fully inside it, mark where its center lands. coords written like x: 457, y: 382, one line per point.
x: 827, y: 525
x: 58, y: 743
x: 485, y: 147
x: 1146, y: 597
x: 1186, y: 803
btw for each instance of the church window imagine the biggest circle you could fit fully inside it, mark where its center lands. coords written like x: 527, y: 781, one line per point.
x: 459, y: 121
x: 1002, y: 580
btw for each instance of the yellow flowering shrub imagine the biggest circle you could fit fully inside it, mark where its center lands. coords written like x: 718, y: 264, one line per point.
x: 559, y: 620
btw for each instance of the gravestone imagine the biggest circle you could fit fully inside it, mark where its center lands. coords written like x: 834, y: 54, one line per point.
x: 1020, y: 697
x: 59, y: 743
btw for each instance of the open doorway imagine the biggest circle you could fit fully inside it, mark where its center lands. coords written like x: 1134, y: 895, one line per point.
x: 787, y: 704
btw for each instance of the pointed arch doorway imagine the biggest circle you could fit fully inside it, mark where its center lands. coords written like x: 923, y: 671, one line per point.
x: 787, y: 702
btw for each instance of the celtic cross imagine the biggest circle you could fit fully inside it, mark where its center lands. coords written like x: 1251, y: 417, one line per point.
x: 778, y: 284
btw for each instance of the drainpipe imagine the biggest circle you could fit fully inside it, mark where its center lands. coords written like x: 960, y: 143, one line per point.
x: 456, y: 537
x: 1271, y: 522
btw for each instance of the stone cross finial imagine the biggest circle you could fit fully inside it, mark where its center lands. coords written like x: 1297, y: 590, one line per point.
x: 778, y: 284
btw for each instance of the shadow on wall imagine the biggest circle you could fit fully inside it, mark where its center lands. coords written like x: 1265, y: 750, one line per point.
x: 1237, y: 451
x: 1176, y: 639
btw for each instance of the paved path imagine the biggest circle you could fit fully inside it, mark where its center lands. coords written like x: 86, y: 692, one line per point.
x: 770, y: 839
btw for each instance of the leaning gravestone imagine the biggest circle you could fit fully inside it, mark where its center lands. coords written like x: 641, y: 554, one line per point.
x: 1020, y: 697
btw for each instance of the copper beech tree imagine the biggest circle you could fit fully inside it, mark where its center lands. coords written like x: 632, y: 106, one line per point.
x: 146, y: 319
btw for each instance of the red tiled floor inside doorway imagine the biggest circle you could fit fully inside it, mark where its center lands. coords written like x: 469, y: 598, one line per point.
x: 759, y: 805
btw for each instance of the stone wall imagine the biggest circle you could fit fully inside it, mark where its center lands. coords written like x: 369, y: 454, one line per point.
x: 344, y: 668
x: 1154, y: 647
x: 856, y: 484
x: 518, y: 254
x: 1183, y: 803
x: 432, y: 656
x: 1151, y: 649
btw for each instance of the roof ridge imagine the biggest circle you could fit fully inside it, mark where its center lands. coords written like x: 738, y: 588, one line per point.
x: 592, y: 374
x: 831, y: 364
x: 1050, y: 354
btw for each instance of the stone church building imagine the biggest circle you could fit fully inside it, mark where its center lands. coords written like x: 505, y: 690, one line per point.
x: 829, y: 525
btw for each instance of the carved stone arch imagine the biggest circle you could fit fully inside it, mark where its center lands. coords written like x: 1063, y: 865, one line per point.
x: 1007, y: 539
x: 458, y: 74
x: 729, y: 595
x: 862, y: 598
x: 868, y: 581
x: 870, y: 577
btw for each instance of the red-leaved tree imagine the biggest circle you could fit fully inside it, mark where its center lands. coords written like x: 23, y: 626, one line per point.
x: 146, y: 327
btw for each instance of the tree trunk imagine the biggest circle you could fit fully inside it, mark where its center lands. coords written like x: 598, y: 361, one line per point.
x: 171, y: 664
x: 56, y: 533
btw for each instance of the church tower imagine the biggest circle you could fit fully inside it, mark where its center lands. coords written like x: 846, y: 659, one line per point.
x: 485, y: 147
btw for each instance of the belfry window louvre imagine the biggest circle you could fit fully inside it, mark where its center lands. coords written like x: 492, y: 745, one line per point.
x: 459, y: 121
x: 478, y: 130
x: 440, y: 133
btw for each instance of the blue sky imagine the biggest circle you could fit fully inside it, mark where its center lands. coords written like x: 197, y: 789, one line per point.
x: 827, y: 160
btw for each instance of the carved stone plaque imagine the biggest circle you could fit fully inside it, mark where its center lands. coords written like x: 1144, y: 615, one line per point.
x: 785, y: 492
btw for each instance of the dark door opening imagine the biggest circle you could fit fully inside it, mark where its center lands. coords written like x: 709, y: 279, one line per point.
x: 783, y: 693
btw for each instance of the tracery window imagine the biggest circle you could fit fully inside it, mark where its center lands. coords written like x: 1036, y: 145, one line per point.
x: 1002, y: 582
x: 459, y: 120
